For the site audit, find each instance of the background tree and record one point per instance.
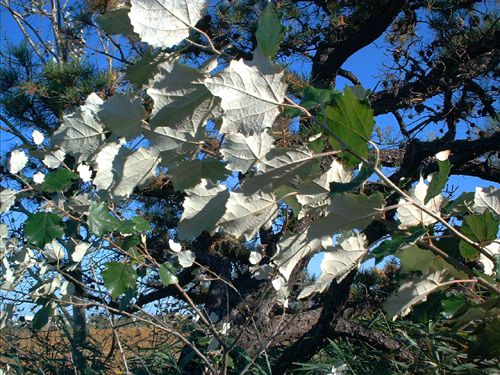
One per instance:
(120, 239)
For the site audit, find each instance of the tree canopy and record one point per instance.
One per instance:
(177, 165)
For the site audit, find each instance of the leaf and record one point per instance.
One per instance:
(292, 249)
(7, 199)
(104, 165)
(347, 211)
(189, 173)
(79, 251)
(123, 115)
(100, 220)
(42, 316)
(351, 120)
(440, 178)
(167, 139)
(245, 152)
(181, 100)
(186, 258)
(314, 97)
(270, 32)
(411, 216)
(279, 168)
(144, 69)
(116, 21)
(118, 278)
(340, 187)
(203, 206)
(17, 161)
(479, 228)
(84, 172)
(338, 262)
(59, 180)
(487, 198)
(251, 96)
(165, 23)
(414, 259)
(54, 159)
(132, 171)
(42, 228)
(53, 251)
(38, 137)
(80, 135)
(245, 215)
(315, 194)
(389, 247)
(489, 267)
(167, 274)
(412, 292)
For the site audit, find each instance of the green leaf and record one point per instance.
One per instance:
(479, 228)
(270, 31)
(451, 305)
(41, 317)
(314, 97)
(59, 180)
(439, 180)
(43, 227)
(116, 21)
(351, 120)
(118, 278)
(135, 225)
(167, 274)
(129, 242)
(100, 220)
(462, 205)
(389, 247)
(140, 224)
(339, 187)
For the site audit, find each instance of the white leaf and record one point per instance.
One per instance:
(174, 246)
(85, 172)
(123, 115)
(412, 292)
(38, 177)
(292, 249)
(37, 137)
(133, 171)
(338, 262)
(79, 252)
(104, 165)
(80, 135)
(245, 152)
(251, 96)
(17, 161)
(411, 216)
(255, 257)
(167, 139)
(54, 159)
(347, 211)
(185, 258)
(7, 199)
(279, 168)
(245, 215)
(315, 194)
(181, 101)
(494, 249)
(443, 155)
(188, 173)
(487, 198)
(165, 23)
(53, 251)
(203, 206)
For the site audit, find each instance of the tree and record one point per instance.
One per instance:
(207, 174)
